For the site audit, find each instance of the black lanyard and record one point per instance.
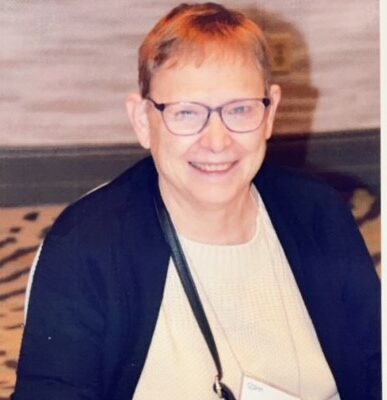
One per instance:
(190, 290)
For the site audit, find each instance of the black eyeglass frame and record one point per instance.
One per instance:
(266, 101)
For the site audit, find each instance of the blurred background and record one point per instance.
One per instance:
(66, 68)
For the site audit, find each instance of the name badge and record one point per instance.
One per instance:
(255, 390)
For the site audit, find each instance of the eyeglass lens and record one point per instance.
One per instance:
(190, 118)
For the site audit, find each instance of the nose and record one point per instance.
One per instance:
(215, 136)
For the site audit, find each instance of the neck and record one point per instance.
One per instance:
(224, 224)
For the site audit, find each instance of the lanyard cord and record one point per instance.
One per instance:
(191, 292)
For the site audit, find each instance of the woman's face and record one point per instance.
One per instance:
(216, 166)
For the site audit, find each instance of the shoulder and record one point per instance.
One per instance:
(103, 210)
(306, 204)
(296, 188)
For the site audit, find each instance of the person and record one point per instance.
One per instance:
(281, 271)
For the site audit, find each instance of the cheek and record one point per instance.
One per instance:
(253, 143)
(160, 141)
(169, 149)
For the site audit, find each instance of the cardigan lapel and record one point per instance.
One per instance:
(304, 255)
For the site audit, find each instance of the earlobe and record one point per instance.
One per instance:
(275, 96)
(136, 108)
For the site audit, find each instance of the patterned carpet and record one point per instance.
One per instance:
(21, 231)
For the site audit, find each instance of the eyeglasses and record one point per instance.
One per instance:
(190, 118)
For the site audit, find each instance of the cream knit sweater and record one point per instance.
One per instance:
(258, 318)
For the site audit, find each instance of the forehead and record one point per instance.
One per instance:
(211, 79)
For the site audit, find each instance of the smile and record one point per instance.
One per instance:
(209, 167)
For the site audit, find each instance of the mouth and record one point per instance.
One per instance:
(213, 167)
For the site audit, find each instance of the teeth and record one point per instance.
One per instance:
(212, 167)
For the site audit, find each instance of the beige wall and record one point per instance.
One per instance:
(66, 66)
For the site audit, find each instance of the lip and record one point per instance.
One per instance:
(213, 167)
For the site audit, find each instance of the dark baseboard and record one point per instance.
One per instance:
(345, 160)
(31, 176)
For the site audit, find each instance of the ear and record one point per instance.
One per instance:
(275, 97)
(137, 111)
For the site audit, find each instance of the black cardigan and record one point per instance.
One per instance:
(98, 287)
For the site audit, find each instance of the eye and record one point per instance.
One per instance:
(240, 109)
(184, 114)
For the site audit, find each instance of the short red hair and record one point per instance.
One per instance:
(201, 31)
